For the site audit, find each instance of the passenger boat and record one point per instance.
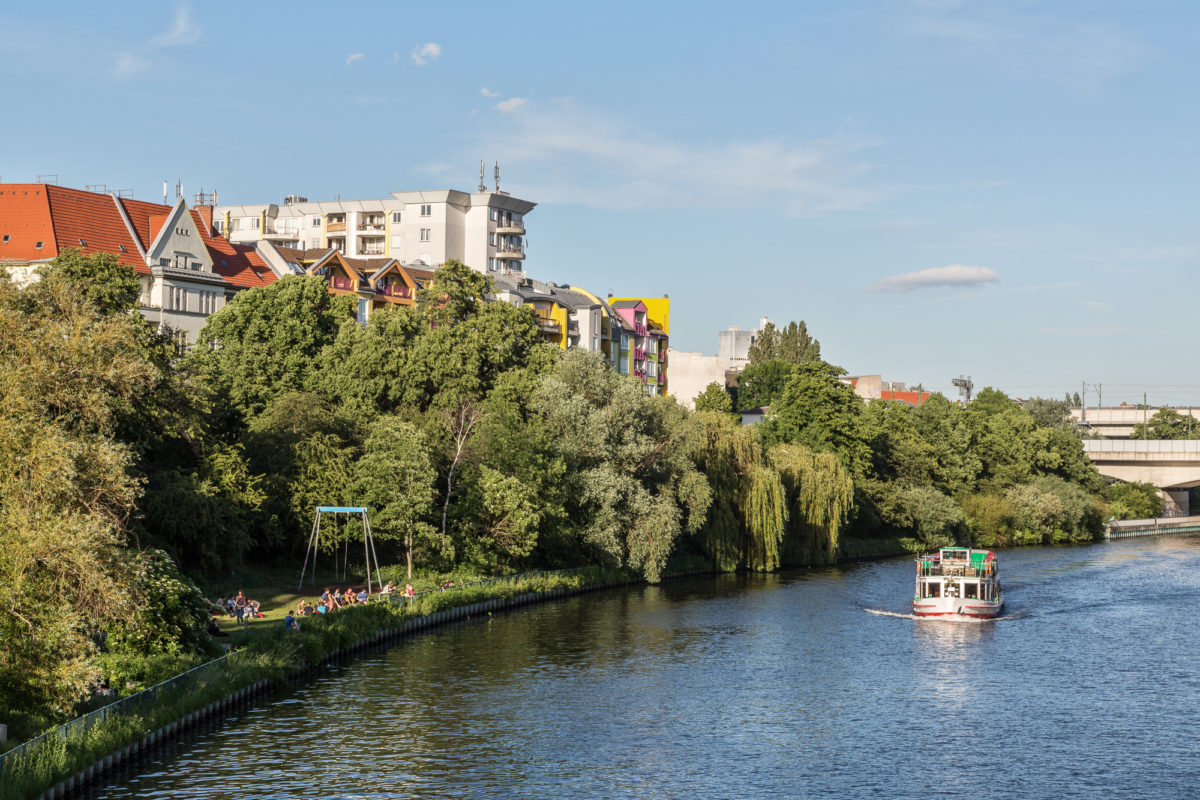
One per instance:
(958, 582)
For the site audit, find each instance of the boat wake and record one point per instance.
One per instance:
(950, 618)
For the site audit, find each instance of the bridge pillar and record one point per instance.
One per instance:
(1177, 501)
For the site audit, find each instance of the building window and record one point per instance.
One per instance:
(255, 225)
(316, 222)
(424, 234)
(493, 214)
(219, 225)
(396, 217)
(491, 263)
(38, 245)
(426, 211)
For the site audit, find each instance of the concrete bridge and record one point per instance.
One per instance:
(1117, 422)
(1173, 465)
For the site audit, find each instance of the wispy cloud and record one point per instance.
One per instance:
(511, 104)
(350, 59)
(568, 153)
(127, 66)
(486, 92)
(953, 275)
(1082, 55)
(423, 54)
(183, 30)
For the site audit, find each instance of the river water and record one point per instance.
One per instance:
(811, 683)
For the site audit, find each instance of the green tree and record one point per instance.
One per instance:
(762, 384)
(455, 294)
(821, 413)
(1049, 413)
(714, 398)
(630, 485)
(395, 479)
(1134, 500)
(791, 344)
(1167, 423)
(266, 342)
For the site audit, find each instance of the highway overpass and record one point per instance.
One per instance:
(1117, 422)
(1172, 465)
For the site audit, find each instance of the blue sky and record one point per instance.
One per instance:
(1002, 189)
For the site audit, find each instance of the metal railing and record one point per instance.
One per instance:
(193, 678)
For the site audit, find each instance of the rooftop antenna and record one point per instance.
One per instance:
(965, 386)
(164, 192)
(497, 176)
(179, 189)
(482, 185)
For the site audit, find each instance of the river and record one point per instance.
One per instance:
(809, 683)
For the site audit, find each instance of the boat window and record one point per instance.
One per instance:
(971, 590)
(933, 590)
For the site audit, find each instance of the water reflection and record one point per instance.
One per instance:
(753, 686)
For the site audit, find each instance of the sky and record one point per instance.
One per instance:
(1003, 190)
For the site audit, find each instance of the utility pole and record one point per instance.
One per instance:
(1083, 401)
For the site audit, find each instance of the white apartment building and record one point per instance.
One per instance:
(485, 230)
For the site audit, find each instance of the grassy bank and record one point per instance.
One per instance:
(268, 656)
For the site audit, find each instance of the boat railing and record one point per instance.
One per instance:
(933, 569)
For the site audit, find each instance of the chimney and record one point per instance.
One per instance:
(206, 216)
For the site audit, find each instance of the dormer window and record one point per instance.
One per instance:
(38, 246)
(6, 238)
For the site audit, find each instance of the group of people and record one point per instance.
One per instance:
(240, 607)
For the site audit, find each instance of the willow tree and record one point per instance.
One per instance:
(820, 493)
(745, 522)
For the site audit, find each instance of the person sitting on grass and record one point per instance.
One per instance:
(290, 623)
(348, 597)
(256, 610)
(386, 591)
(363, 596)
(214, 628)
(304, 609)
(325, 597)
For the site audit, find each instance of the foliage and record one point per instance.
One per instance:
(714, 398)
(1167, 423)
(167, 614)
(791, 344)
(1049, 413)
(760, 385)
(1134, 500)
(821, 413)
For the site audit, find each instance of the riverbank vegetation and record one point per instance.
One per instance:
(133, 473)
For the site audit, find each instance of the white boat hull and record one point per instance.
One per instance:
(955, 607)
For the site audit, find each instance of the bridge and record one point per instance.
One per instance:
(1125, 528)
(1116, 422)
(1173, 465)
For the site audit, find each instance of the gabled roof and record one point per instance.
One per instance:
(239, 264)
(627, 304)
(62, 218)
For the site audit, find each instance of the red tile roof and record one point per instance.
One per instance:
(239, 264)
(62, 218)
(140, 212)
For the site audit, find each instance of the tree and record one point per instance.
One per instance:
(761, 385)
(455, 294)
(266, 342)
(1134, 500)
(1167, 423)
(1049, 413)
(630, 486)
(821, 413)
(395, 479)
(792, 344)
(714, 398)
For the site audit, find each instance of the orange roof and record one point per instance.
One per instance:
(912, 398)
(140, 212)
(239, 264)
(62, 218)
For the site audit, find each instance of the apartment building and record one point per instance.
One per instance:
(567, 316)
(639, 339)
(186, 272)
(484, 230)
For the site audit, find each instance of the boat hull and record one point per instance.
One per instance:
(957, 607)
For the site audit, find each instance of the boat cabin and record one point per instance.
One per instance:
(959, 572)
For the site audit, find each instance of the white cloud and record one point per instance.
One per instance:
(422, 54)
(128, 65)
(511, 104)
(953, 275)
(396, 57)
(350, 59)
(567, 153)
(183, 30)
(486, 92)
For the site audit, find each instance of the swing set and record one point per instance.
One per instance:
(314, 543)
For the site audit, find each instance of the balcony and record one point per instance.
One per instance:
(511, 228)
(510, 251)
(371, 250)
(335, 227)
(662, 377)
(396, 291)
(639, 354)
(371, 226)
(639, 329)
(548, 324)
(345, 284)
(281, 231)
